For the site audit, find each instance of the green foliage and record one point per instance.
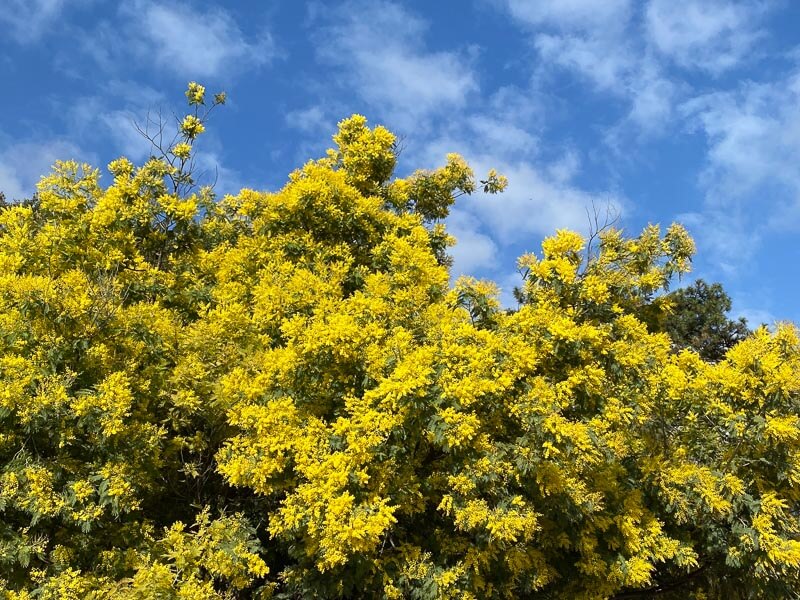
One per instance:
(280, 394)
(696, 318)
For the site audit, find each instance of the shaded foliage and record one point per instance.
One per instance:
(697, 319)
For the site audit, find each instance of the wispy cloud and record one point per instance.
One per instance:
(601, 60)
(381, 51)
(751, 179)
(542, 195)
(505, 137)
(581, 35)
(599, 41)
(312, 120)
(725, 238)
(756, 317)
(22, 164)
(27, 20)
(110, 118)
(212, 170)
(577, 15)
(474, 250)
(753, 136)
(713, 35)
(628, 51)
(540, 198)
(536, 204)
(181, 39)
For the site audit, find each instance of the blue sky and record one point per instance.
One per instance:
(662, 110)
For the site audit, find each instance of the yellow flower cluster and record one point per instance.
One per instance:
(191, 127)
(195, 93)
(182, 150)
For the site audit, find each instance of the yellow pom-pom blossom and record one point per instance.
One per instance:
(195, 93)
(182, 150)
(191, 127)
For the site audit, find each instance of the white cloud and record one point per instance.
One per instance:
(726, 238)
(565, 168)
(23, 164)
(135, 92)
(652, 98)
(534, 204)
(753, 139)
(582, 35)
(474, 250)
(541, 197)
(507, 282)
(713, 35)
(756, 317)
(603, 61)
(190, 42)
(312, 120)
(523, 107)
(625, 50)
(111, 121)
(27, 20)
(380, 47)
(115, 116)
(492, 230)
(120, 126)
(94, 118)
(504, 137)
(600, 42)
(571, 14)
(751, 179)
(210, 170)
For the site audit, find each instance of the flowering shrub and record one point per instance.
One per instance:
(280, 394)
